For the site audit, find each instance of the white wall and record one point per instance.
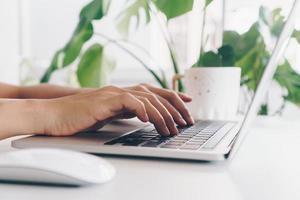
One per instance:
(9, 41)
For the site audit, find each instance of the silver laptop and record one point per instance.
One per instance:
(205, 140)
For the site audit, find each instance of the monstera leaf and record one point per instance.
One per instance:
(296, 35)
(94, 68)
(273, 19)
(88, 71)
(289, 79)
(83, 32)
(225, 56)
(136, 8)
(243, 43)
(207, 2)
(174, 8)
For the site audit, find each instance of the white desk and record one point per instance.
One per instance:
(267, 166)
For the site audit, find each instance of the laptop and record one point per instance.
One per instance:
(205, 140)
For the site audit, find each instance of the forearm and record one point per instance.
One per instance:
(9, 91)
(20, 117)
(46, 91)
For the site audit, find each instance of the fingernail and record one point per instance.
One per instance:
(192, 120)
(146, 118)
(176, 132)
(166, 132)
(182, 122)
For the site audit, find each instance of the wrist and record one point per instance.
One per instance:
(35, 110)
(21, 117)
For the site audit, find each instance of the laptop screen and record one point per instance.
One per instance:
(267, 69)
(253, 31)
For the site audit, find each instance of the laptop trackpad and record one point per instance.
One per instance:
(107, 133)
(114, 129)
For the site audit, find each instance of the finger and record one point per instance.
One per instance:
(175, 114)
(185, 97)
(175, 100)
(155, 117)
(168, 118)
(144, 87)
(123, 103)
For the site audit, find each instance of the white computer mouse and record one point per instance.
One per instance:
(54, 166)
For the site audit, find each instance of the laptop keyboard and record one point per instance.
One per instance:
(189, 138)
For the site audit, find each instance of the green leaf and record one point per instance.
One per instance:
(171, 8)
(253, 65)
(224, 57)
(227, 54)
(264, 15)
(289, 79)
(242, 43)
(296, 35)
(82, 33)
(207, 2)
(132, 11)
(210, 59)
(174, 8)
(274, 20)
(89, 68)
(93, 10)
(264, 109)
(277, 22)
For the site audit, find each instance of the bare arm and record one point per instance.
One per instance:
(19, 117)
(91, 110)
(9, 91)
(46, 91)
(42, 91)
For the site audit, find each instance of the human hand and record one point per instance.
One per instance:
(93, 109)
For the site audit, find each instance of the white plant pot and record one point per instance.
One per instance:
(215, 92)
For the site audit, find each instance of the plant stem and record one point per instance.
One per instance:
(149, 55)
(223, 19)
(169, 44)
(202, 30)
(47, 75)
(158, 79)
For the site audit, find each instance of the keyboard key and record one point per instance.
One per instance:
(218, 136)
(194, 143)
(189, 137)
(146, 137)
(201, 137)
(112, 142)
(184, 136)
(149, 144)
(152, 143)
(175, 142)
(133, 143)
(198, 140)
(190, 146)
(192, 134)
(180, 139)
(170, 146)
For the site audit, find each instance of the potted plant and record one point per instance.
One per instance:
(250, 52)
(213, 78)
(247, 50)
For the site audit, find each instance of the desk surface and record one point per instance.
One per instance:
(267, 166)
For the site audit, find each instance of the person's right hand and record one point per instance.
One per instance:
(94, 108)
